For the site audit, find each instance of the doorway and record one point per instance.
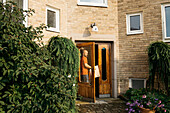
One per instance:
(99, 57)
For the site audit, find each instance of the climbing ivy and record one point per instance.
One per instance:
(159, 64)
(30, 81)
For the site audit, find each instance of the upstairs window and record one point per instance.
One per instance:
(52, 19)
(100, 3)
(166, 22)
(22, 4)
(134, 23)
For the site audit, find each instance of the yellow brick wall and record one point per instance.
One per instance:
(133, 48)
(39, 16)
(81, 17)
(130, 51)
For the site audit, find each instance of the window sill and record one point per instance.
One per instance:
(53, 30)
(166, 40)
(134, 33)
(92, 4)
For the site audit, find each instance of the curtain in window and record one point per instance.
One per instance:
(167, 16)
(93, 1)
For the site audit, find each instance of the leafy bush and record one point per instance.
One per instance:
(159, 64)
(65, 55)
(153, 100)
(28, 81)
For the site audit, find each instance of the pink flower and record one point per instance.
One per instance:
(160, 106)
(160, 102)
(144, 96)
(165, 110)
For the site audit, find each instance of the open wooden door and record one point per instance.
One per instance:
(87, 89)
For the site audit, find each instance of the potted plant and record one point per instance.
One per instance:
(145, 102)
(146, 105)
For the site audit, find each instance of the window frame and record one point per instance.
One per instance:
(130, 32)
(25, 7)
(92, 4)
(57, 11)
(130, 81)
(165, 38)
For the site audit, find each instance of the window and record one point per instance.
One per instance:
(166, 21)
(23, 4)
(100, 3)
(104, 72)
(134, 23)
(52, 19)
(137, 83)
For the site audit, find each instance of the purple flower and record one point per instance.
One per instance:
(156, 99)
(133, 110)
(162, 105)
(126, 109)
(148, 103)
(141, 106)
(131, 104)
(130, 109)
(127, 103)
(138, 104)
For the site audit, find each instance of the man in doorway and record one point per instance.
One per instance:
(84, 67)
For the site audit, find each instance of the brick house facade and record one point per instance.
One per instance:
(129, 49)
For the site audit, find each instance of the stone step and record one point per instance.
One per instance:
(102, 106)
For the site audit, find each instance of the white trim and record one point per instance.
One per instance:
(57, 11)
(165, 39)
(130, 81)
(25, 7)
(92, 4)
(129, 32)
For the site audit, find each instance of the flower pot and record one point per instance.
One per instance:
(144, 110)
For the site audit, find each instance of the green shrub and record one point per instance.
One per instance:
(28, 81)
(65, 55)
(159, 64)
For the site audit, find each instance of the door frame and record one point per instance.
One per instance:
(113, 59)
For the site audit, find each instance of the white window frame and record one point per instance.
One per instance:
(130, 32)
(57, 11)
(165, 39)
(25, 7)
(93, 4)
(130, 81)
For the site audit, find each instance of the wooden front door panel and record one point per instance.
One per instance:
(87, 90)
(104, 67)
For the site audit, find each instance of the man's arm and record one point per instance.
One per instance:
(87, 66)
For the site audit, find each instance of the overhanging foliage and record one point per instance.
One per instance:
(159, 64)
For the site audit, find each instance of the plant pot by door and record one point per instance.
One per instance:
(144, 110)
